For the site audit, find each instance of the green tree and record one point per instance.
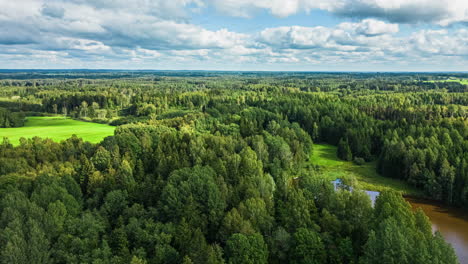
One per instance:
(193, 194)
(307, 247)
(101, 159)
(344, 151)
(246, 249)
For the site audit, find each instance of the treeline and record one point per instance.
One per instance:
(11, 119)
(426, 148)
(432, 157)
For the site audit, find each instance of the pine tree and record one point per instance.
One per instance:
(344, 151)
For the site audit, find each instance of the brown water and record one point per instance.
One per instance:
(452, 224)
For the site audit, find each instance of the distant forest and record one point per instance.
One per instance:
(214, 167)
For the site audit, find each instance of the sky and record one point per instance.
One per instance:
(258, 35)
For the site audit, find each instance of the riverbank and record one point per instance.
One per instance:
(331, 167)
(451, 222)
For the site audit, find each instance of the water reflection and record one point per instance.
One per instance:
(452, 223)
(338, 184)
(373, 196)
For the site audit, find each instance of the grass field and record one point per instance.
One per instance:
(332, 168)
(462, 81)
(57, 129)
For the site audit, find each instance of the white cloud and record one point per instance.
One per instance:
(247, 8)
(443, 12)
(372, 27)
(164, 9)
(144, 33)
(296, 37)
(345, 36)
(441, 42)
(368, 42)
(113, 23)
(82, 44)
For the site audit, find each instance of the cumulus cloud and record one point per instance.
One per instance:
(440, 42)
(107, 33)
(400, 11)
(372, 27)
(443, 12)
(369, 42)
(296, 37)
(173, 9)
(345, 36)
(115, 23)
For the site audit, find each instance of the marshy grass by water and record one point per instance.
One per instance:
(331, 167)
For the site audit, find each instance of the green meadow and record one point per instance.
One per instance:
(57, 129)
(462, 81)
(366, 175)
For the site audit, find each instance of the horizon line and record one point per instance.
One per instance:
(202, 70)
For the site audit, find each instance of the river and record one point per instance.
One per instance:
(451, 222)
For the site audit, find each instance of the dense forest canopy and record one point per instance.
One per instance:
(213, 167)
